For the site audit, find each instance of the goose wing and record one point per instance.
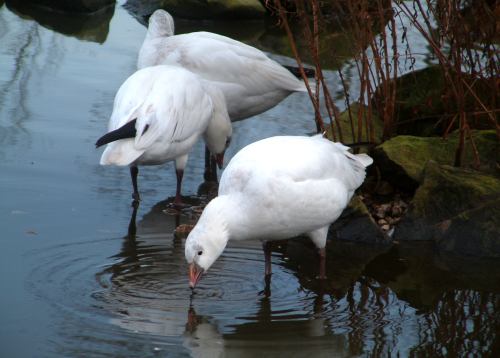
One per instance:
(169, 105)
(220, 59)
(223, 59)
(293, 184)
(297, 159)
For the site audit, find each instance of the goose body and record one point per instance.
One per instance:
(277, 188)
(158, 115)
(250, 81)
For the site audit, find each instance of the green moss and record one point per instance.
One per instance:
(447, 191)
(412, 153)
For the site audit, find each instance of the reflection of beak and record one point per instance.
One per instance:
(195, 273)
(219, 158)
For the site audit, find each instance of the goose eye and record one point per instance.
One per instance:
(200, 252)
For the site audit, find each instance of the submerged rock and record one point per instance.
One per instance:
(443, 206)
(357, 225)
(403, 158)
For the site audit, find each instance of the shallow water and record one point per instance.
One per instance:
(75, 283)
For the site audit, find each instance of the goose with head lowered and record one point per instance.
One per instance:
(250, 81)
(276, 188)
(159, 113)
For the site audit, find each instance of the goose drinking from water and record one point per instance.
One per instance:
(277, 188)
(158, 115)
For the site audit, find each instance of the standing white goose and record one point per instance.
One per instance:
(276, 188)
(158, 115)
(251, 82)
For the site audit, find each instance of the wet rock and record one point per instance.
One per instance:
(445, 202)
(200, 9)
(356, 224)
(75, 6)
(403, 158)
(473, 232)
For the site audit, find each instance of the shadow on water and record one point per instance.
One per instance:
(88, 27)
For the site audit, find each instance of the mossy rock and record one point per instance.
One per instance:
(402, 159)
(357, 225)
(446, 193)
(345, 125)
(419, 102)
(424, 103)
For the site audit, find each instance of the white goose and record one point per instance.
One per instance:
(276, 188)
(158, 115)
(251, 82)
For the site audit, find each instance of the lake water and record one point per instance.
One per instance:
(75, 283)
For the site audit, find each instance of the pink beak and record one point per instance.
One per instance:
(195, 273)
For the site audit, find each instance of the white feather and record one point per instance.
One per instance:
(250, 81)
(172, 110)
(277, 188)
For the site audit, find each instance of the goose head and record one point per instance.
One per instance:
(161, 23)
(206, 242)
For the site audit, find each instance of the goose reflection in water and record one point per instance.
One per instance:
(375, 302)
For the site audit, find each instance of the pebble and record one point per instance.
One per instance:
(386, 214)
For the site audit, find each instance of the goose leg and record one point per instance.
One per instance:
(206, 174)
(213, 168)
(133, 174)
(322, 263)
(267, 256)
(210, 167)
(180, 164)
(178, 199)
(318, 237)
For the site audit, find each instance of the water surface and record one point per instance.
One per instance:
(76, 283)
